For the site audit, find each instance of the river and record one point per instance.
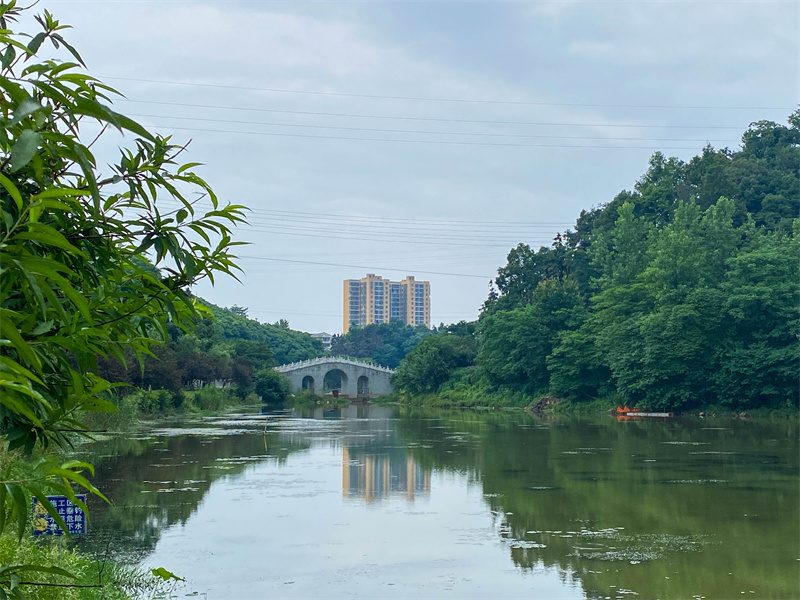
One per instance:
(379, 502)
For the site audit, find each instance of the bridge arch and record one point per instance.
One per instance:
(335, 379)
(309, 384)
(362, 386)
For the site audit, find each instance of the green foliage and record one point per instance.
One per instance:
(385, 343)
(516, 343)
(286, 345)
(210, 398)
(72, 283)
(74, 280)
(227, 350)
(155, 401)
(118, 583)
(432, 362)
(272, 387)
(682, 293)
(757, 359)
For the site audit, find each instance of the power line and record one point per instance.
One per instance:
(316, 233)
(434, 119)
(376, 269)
(476, 229)
(385, 234)
(417, 131)
(329, 223)
(439, 142)
(384, 220)
(380, 231)
(448, 100)
(360, 238)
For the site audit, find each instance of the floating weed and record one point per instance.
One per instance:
(702, 481)
(525, 544)
(686, 443)
(610, 532)
(631, 555)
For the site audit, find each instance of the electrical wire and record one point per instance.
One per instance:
(438, 142)
(381, 221)
(433, 119)
(378, 235)
(372, 268)
(447, 100)
(423, 132)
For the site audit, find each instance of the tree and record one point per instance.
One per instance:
(432, 362)
(272, 387)
(516, 343)
(238, 310)
(757, 359)
(385, 343)
(72, 242)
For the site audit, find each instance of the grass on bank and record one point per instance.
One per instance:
(98, 579)
(93, 577)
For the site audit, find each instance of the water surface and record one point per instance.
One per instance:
(368, 501)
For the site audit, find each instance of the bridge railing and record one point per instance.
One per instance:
(332, 359)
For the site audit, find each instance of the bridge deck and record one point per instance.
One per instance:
(354, 378)
(323, 360)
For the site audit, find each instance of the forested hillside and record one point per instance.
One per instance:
(680, 293)
(385, 343)
(230, 349)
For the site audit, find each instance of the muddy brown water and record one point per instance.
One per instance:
(379, 502)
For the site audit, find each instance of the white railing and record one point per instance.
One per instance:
(332, 359)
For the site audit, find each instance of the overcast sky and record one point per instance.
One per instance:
(428, 138)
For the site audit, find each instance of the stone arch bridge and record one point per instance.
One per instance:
(351, 378)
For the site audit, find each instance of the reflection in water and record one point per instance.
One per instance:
(678, 509)
(374, 476)
(375, 465)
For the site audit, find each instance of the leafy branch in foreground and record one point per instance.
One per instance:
(75, 282)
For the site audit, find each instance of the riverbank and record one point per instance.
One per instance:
(482, 399)
(96, 575)
(92, 576)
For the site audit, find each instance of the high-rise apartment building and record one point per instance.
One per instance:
(374, 299)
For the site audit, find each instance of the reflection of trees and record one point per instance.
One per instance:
(584, 498)
(580, 497)
(157, 482)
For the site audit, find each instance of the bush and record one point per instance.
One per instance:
(272, 387)
(211, 398)
(127, 405)
(155, 401)
(432, 362)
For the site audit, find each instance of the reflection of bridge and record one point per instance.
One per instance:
(349, 377)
